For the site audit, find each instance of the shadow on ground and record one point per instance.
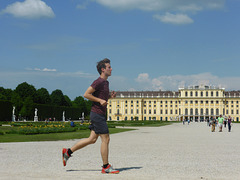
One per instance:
(120, 169)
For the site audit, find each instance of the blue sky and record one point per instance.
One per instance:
(152, 44)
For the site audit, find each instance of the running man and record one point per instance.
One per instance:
(99, 94)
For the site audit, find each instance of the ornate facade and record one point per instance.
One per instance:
(195, 103)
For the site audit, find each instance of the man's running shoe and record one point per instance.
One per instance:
(65, 156)
(109, 170)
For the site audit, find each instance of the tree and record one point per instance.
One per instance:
(43, 96)
(16, 101)
(68, 101)
(5, 94)
(27, 110)
(25, 90)
(57, 98)
(79, 102)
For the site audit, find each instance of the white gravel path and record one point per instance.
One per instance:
(171, 152)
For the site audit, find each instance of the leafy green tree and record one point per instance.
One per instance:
(43, 96)
(79, 102)
(25, 90)
(27, 110)
(5, 94)
(17, 101)
(88, 106)
(68, 101)
(57, 98)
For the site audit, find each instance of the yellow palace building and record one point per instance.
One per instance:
(196, 103)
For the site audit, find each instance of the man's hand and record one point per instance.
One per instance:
(113, 94)
(103, 102)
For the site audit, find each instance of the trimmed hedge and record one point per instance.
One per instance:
(5, 110)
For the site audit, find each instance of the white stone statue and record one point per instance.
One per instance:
(36, 111)
(13, 114)
(36, 117)
(63, 118)
(83, 116)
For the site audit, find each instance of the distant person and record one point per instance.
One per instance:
(225, 122)
(220, 123)
(72, 123)
(98, 93)
(229, 123)
(213, 123)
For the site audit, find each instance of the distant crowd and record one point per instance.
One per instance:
(214, 122)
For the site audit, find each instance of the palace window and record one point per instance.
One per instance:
(212, 93)
(186, 111)
(191, 93)
(191, 111)
(154, 111)
(186, 94)
(207, 93)
(196, 93)
(217, 111)
(207, 112)
(196, 111)
(201, 111)
(217, 93)
(212, 112)
(201, 94)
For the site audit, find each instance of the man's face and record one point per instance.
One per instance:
(107, 70)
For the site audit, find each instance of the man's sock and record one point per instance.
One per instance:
(105, 165)
(69, 152)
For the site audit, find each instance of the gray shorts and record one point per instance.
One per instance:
(98, 123)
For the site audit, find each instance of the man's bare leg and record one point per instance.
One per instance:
(84, 142)
(105, 147)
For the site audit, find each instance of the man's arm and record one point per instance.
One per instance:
(113, 94)
(89, 96)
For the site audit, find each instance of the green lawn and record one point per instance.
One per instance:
(5, 136)
(52, 136)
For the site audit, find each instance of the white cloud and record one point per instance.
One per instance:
(174, 18)
(83, 5)
(163, 5)
(43, 70)
(30, 9)
(176, 81)
(143, 78)
(180, 8)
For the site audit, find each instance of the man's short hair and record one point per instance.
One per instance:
(102, 64)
